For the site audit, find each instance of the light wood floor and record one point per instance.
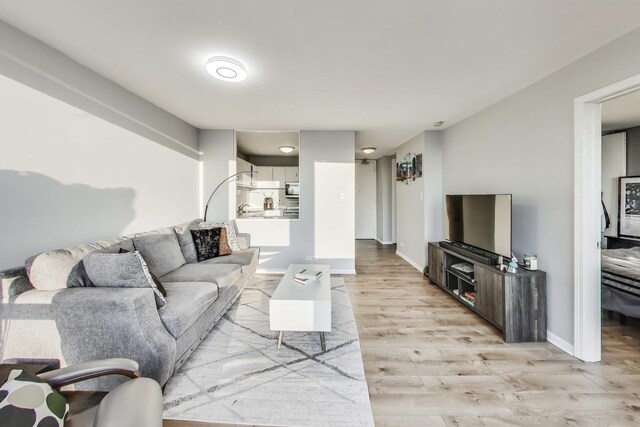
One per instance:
(431, 362)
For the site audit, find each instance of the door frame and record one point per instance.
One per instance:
(375, 198)
(586, 236)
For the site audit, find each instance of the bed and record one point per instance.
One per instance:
(621, 281)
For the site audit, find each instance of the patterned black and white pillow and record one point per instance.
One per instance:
(231, 228)
(26, 401)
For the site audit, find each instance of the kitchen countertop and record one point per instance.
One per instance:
(255, 213)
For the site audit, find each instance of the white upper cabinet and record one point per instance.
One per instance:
(241, 166)
(291, 173)
(279, 176)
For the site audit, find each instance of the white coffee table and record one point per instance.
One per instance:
(296, 307)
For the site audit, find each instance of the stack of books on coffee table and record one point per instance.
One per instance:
(306, 276)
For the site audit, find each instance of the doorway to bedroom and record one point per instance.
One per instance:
(607, 207)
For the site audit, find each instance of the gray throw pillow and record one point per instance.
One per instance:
(161, 251)
(127, 270)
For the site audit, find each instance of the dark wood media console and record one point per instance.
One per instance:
(513, 302)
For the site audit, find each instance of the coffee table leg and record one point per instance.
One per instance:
(280, 335)
(322, 343)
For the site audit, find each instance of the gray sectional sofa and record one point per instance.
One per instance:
(50, 310)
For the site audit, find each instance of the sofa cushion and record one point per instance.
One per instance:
(247, 258)
(223, 275)
(161, 252)
(186, 301)
(63, 268)
(122, 270)
(183, 231)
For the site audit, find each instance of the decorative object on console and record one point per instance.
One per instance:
(29, 401)
(121, 270)
(629, 209)
(207, 242)
(206, 208)
(530, 262)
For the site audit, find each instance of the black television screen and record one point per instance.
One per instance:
(480, 220)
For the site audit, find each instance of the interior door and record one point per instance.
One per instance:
(366, 201)
(614, 165)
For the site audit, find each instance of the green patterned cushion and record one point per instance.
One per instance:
(26, 400)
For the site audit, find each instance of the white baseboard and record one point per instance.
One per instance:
(410, 261)
(345, 272)
(383, 243)
(560, 343)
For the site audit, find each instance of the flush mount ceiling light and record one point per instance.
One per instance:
(287, 149)
(368, 150)
(226, 69)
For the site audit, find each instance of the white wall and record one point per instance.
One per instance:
(524, 145)
(384, 200)
(410, 220)
(68, 177)
(326, 228)
(37, 65)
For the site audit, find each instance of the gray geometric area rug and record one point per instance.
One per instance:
(238, 376)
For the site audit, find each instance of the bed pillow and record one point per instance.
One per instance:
(127, 270)
(26, 401)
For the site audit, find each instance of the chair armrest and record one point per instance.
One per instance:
(244, 240)
(88, 370)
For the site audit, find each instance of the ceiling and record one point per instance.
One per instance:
(621, 113)
(386, 69)
(266, 143)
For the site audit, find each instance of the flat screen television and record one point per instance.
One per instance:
(480, 220)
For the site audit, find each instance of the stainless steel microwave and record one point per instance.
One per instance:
(292, 189)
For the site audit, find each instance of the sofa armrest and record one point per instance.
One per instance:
(244, 240)
(77, 325)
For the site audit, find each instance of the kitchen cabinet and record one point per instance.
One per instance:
(269, 177)
(279, 176)
(291, 173)
(241, 166)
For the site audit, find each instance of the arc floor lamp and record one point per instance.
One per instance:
(206, 208)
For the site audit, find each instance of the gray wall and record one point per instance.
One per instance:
(410, 221)
(218, 157)
(633, 150)
(325, 230)
(274, 160)
(524, 145)
(383, 198)
(35, 64)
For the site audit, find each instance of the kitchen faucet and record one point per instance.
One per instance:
(241, 207)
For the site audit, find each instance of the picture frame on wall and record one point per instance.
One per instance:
(629, 207)
(409, 168)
